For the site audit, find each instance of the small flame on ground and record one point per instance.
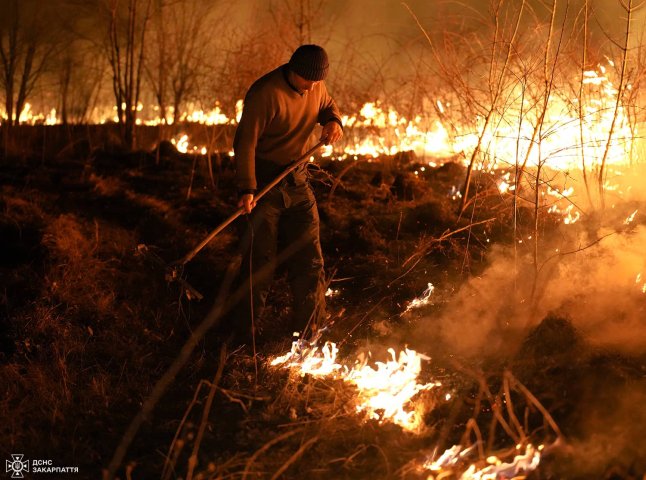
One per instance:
(497, 469)
(423, 300)
(310, 359)
(332, 292)
(384, 392)
(181, 143)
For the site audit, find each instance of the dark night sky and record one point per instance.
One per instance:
(381, 31)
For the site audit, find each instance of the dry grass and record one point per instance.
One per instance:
(97, 328)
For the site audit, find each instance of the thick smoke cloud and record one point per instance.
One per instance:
(600, 288)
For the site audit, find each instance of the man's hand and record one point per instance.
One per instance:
(332, 132)
(247, 201)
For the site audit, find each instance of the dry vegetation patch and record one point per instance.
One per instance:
(91, 326)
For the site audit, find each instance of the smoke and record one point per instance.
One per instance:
(600, 287)
(611, 431)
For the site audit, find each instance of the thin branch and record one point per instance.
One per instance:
(192, 461)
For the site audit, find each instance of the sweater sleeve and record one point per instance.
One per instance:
(255, 116)
(328, 110)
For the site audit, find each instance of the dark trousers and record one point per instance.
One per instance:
(283, 228)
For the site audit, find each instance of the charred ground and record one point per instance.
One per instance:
(88, 325)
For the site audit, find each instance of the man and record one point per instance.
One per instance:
(281, 110)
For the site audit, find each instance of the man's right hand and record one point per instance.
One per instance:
(247, 202)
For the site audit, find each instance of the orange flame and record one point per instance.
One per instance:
(522, 463)
(385, 392)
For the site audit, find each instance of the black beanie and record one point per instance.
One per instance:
(310, 62)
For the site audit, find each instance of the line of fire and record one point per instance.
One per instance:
(266, 239)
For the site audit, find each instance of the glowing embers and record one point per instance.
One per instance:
(385, 391)
(456, 459)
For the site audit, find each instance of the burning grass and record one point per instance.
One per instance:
(91, 327)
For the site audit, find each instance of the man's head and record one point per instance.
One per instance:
(310, 62)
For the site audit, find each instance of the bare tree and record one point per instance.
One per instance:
(629, 7)
(296, 21)
(246, 54)
(496, 88)
(126, 36)
(26, 45)
(80, 79)
(181, 43)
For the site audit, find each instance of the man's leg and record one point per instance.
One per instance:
(258, 246)
(305, 267)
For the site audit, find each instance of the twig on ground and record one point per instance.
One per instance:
(294, 457)
(192, 462)
(266, 447)
(190, 184)
(167, 379)
(532, 399)
(421, 251)
(337, 179)
(171, 456)
(510, 410)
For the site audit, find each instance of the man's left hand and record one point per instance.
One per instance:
(332, 132)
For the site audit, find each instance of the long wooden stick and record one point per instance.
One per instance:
(300, 161)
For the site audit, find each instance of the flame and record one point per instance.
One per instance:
(396, 134)
(505, 184)
(449, 458)
(566, 150)
(27, 116)
(332, 292)
(213, 117)
(630, 218)
(522, 463)
(423, 300)
(181, 143)
(384, 392)
(379, 130)
(575, 133)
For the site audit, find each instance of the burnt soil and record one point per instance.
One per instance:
(89, 323)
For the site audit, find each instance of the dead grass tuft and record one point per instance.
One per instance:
(72, 248)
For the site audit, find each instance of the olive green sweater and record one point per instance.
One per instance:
(275, 126)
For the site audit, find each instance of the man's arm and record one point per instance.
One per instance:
(330, 118)
(251, 126)
(328, 111)
(331, 133)
(247, 201)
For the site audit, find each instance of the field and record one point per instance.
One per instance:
(90, 324)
